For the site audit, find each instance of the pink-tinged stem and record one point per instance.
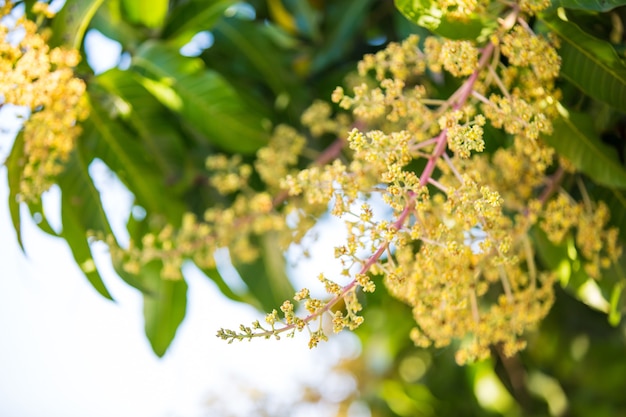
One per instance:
(461, 96)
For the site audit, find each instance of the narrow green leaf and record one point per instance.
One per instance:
(189, 18)
(39, 217)
(15, 167)
(616, 304)
(149, 13)
(574, 137)
(224, 288)
(590, 63)
(164, 307)
(82, 213)
(266, 277)
(589, 5)
(427, 14)
(70, 24)
(203, 98)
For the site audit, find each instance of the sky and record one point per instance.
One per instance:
(67, 351)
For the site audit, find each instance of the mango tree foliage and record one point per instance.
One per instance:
(492, 131)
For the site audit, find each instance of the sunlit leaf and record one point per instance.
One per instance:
(616, 304)
(202, 97)
(428, 14)
(149, 13)
(70, 24)
(110, 21)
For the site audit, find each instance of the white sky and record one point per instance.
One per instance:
(67, 352)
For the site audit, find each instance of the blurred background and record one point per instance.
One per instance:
(67, 351)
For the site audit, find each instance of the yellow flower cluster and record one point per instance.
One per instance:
(461, 9)
(41, 79)
(596, 242)
(459, 58)
(456, 245)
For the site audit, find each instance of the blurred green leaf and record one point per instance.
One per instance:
(616, 202)
(149, 13)
(344, 22)
(81, 215)
(251, 41)
(110, 141)
(164, 307)
(155, 125)
(427, 14)
(562, 259)
(575, 138)
(109, 21)
(616, 304)
(70, 24)
(266, 277)
(224, 288)
(590, 63)
(202, 97)
(189, 18)
(15, 163)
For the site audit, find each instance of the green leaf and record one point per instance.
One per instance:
(149, 13)
(224, 288)
(70, 24)
(590, 63)
(39, 217)
(589, 5)
(343, 24)
(266, 277)
(149, 118)
(427, 14)
(15, 166)
(616, 201)
(251, 41)
(616, 304)
(203, 98)
(189, 18)
(164, 307)
(109, 21)
(562, 259)
(574, 137)
(82, 213)
(110, 141)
